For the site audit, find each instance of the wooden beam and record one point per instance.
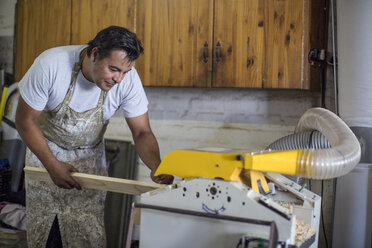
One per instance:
(112, 184)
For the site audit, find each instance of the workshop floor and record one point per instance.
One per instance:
(12, 239)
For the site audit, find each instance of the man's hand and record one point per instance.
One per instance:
(61, 176)
(162, 179)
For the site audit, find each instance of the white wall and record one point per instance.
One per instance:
(7, 20)
(7, 16)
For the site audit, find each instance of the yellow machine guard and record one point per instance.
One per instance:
(191, 163)
(227, 165)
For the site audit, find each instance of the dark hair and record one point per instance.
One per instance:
(116, 38)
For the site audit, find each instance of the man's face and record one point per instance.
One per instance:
(111, 70)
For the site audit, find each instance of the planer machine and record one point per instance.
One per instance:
(239, 198)
(219, 209)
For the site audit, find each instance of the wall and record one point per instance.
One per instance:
(7, 16)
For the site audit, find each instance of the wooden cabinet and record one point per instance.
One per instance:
(230, 43)
(189, 43)
(42, 24)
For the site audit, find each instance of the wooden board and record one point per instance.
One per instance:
(112, 184)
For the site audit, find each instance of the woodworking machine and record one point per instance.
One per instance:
(225, 212)
(237, 198)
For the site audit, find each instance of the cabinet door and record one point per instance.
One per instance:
(239, 44)
(90, 16)
(177, 38)
(259, 44)
(285, 56)
(40, 25)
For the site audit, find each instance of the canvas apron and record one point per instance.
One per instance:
(74, 138)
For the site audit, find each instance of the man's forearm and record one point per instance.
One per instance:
(148, 149)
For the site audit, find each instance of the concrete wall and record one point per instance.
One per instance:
(7, 16)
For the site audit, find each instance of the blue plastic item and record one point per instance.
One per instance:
(4, 164)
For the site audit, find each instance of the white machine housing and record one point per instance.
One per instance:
(159, 228)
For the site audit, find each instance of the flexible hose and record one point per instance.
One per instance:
(314, 162)
(303, 140)
(336, 161)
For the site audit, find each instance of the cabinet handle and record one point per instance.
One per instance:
(248, 60)
(218, 46)
(205, 57)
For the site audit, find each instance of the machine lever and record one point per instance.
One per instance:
(261, 189)
(258, 182)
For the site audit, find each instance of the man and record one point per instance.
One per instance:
(67, 97)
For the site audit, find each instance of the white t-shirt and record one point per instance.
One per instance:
(45, 85)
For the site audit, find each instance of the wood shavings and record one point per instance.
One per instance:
(286, 205)
(303, 232)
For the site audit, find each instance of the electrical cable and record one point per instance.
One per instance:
(239, 244)
(335, 82)
(322, 215)
(323, 84)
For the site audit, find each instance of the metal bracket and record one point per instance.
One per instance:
(316, 55)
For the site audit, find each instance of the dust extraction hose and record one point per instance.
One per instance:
(303, 140)
(339, 159)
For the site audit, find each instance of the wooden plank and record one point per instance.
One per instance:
(112, 184)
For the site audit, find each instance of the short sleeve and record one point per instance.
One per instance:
(135, 102)
(34, 87)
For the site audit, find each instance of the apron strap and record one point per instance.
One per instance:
(77, 67)
(75, 72)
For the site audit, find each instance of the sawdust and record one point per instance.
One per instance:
(303, 230)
